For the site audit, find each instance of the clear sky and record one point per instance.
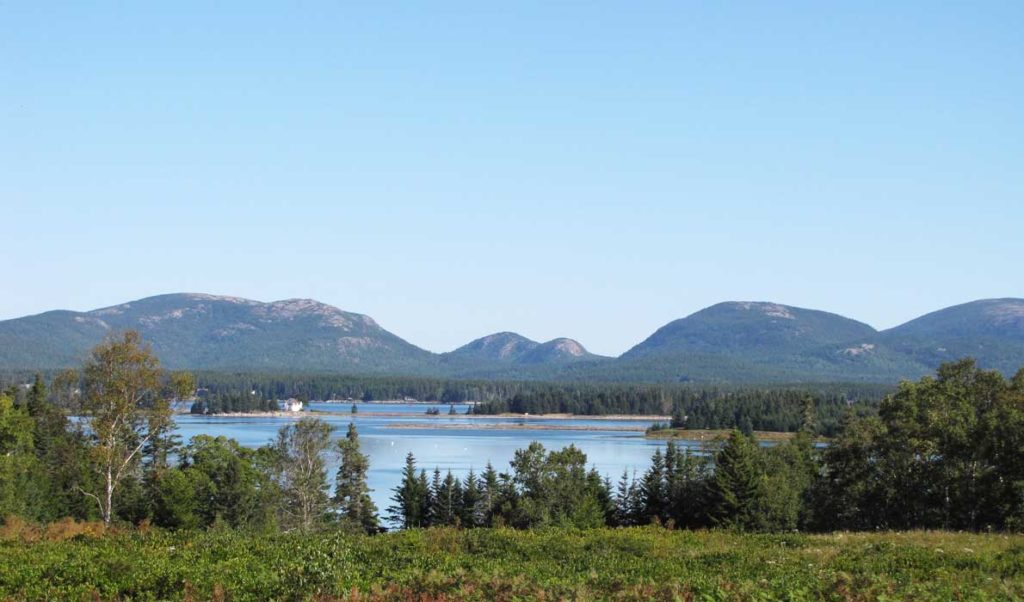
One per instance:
(582, 169)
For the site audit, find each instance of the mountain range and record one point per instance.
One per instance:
(752, 342)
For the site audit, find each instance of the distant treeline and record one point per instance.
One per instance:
(778, 408)
(223, 403)
(306, 387)
(774, 408)
(748, 409)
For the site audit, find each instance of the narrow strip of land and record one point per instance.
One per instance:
(712, 434)
(512, 426)
(443, 415)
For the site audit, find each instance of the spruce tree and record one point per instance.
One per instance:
(426, 499)
(448, 508)
(351, 494)
(628, 504)
(434, 514)
(408, 508)
(734, 488)
(652, 489)
(471, 497)
(37, 396)
(490, 495)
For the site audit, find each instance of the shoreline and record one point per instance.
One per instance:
(719, 434)
(516, 427)
(283, 414)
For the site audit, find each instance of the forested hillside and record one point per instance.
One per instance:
(735, 342)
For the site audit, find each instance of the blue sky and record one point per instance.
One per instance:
(591, 170)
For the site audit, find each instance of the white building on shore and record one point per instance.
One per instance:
(290, 405)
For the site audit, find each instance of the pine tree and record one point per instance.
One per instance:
(351, 493)
(810, 417)
(734, 488)
(471, 498)
(628, 505)
(490, 495)
(37, 396)
(408, 507)
(426, 492)
(434, 513)
(448, 506)
(652, 489)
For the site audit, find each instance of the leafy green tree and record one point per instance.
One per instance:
(351, 493)
(944, 452)
(851, 493)
(124, 408)
(229, 483)
(788, 472)
(301, 473)
(19, 471)
(175, 503)
(556, 489)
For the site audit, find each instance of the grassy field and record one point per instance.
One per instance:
(603, 564)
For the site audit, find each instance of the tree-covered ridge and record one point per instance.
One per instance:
(734, 342)
(213, 332)
(513, 348)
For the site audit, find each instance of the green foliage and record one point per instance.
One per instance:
(736, 493)
(498, 564)
(351, 494)
(125, 410)
(228, 483)
(19, 467)
(945, 452)
(300, 473)
(409, 509)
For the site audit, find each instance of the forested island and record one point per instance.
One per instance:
(775, 408)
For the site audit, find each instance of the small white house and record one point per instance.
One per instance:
(291, 405)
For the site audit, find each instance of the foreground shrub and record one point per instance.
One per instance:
(498, 564)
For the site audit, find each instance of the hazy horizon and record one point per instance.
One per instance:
(458, 170)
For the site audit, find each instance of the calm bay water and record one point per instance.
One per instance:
(470, 446)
